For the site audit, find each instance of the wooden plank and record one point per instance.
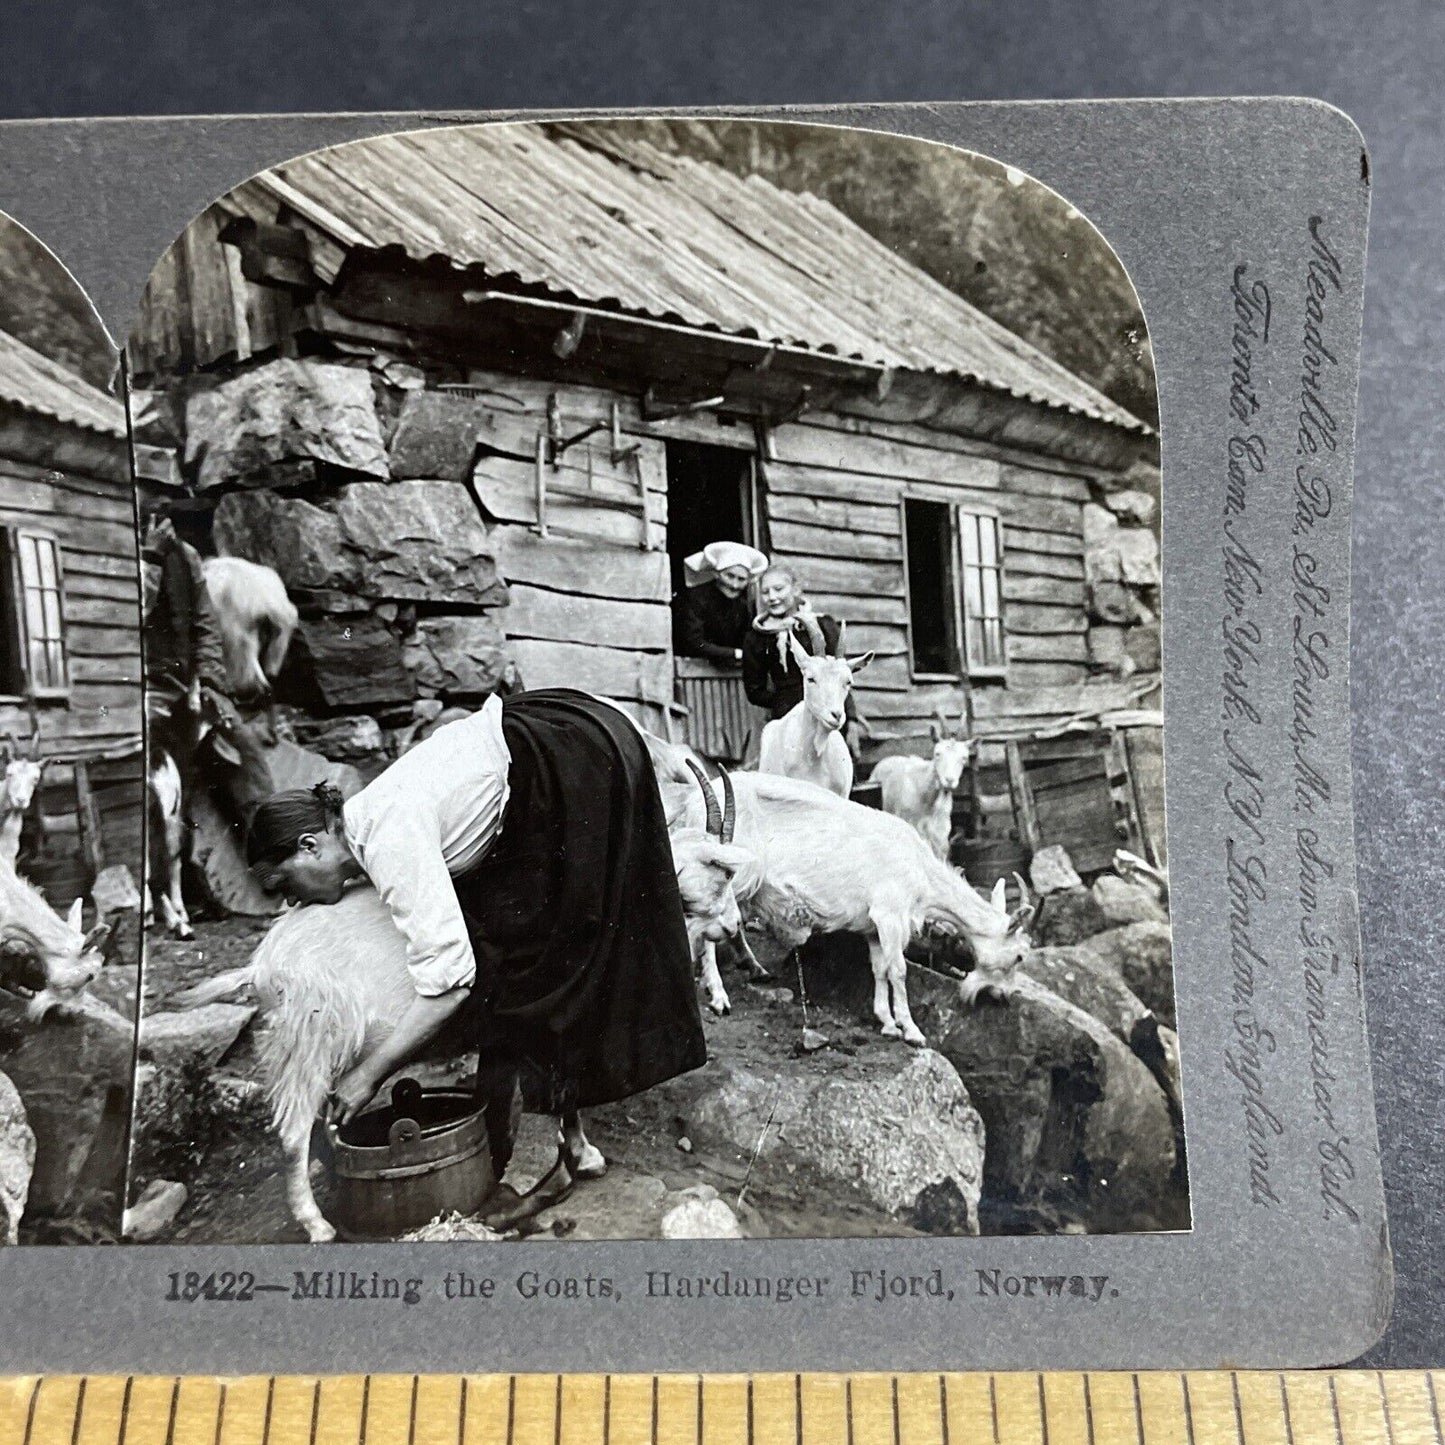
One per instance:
(96, 640)
(916, 705)
(847, 516)
(1052, 701)
(1034, 617)
(797, 539)
(883, 674)
(1028, 675)
(860, 609)
(1044, 484)
(1053, 647)
(1028, 539)
(124, 591)
(885, 639)
(115, 669)
(804, 445)
(589, 569)
(534, 612)
(508, 491)
(92, 846)
(1043, 564)
(1023, 802)
(1056, 591)
(612, 672)
(852, 579)
(834, 485)
(79, 561)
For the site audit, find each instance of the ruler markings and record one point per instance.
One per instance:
(942, 1410)
(1434, 1403)
(30, 1412)
(316, 1411)
(654, 1410)
(1139, 1410)
(80, 1413)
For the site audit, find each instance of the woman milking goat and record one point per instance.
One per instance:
(523, 854)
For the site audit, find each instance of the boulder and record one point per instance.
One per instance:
(342, 739)
(117, 987)
(1138, 552)
(1079, 1132)
(458, 656)
(421, 541)
(17, 1160)
(154, 1212)
(697, 1218)
(205, 1034)
(1052, 870)
(904, 1134)
(294, 766)
(349, 661)
(437, 433)
(1113, 602)
(1142, 956)
(1142, 644)
(73, 1072)
(1108, 649)
(284, 421)
(1123, 902)
(1079, 977)
(1068, 916)
(1115, 553)
(216, 854)
(117, 902)
(1133, 508)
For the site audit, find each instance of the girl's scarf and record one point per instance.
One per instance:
(782, 628)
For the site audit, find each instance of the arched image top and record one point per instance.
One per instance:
(829, 457)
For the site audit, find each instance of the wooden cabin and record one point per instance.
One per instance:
(616, 355)
(70, 659)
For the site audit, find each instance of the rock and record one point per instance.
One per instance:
(1068, 916)
(1123, 902)
(17, 1160)
(1114, 553)
(283, 421)
(904, 1132)
(216, 854)
(1052, 870)
(73, 1072)
(1132, 508)
(1101, 526)
(349, 661)
(1079, 977)
(114, 890)
(1142, 955)
(458, 656)
(117, 986)
(1113, 602)
(1077, 1126)
(1142, 644)
(342, 739)
(812, 1041)
(772, 994)
(1138, 552)
(206, 1033)
(685, 1144)
(436, 435)
(701, 1219)
(155, 1211)
(293, 766)
(422, 541)
(1108, 650)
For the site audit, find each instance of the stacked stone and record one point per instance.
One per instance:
(1121, 570)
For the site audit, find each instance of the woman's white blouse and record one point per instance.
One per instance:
(431, 814)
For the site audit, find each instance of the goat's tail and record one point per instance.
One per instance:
(215, 990)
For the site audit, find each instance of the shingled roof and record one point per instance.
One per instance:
(37, 384)
(619, 223)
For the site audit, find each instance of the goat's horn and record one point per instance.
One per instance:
(714, 815)
(815, 633)
(1023, 890)
(730, 807)
(842, 648)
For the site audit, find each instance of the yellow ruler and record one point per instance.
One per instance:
(1346, 1407)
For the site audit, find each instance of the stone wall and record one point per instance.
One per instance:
(1122, 572)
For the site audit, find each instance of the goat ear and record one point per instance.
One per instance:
(935, 733)
(857, 664)
(72, 918)
(999, 897)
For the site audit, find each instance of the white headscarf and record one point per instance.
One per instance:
(718, 557)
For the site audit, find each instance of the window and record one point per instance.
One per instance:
(36, 662)
(955, 589)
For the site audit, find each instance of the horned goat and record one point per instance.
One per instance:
(46, 960)
(807, 742)
(920, 790)
(818, 863)
(255, 618)
(23, 770)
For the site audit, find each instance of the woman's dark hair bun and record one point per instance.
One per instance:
(330, 798)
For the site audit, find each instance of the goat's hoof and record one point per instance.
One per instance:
(320, 1232)
(721, 1006)
(183, 931)
(590, 1164)
(915, 1037)
(891, 1031)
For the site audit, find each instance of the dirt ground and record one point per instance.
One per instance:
(237, 1192)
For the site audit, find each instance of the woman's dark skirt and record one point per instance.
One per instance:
(584, 976)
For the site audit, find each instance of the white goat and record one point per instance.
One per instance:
(17, 1160)
(255, 618)
(920, 790)
(807, 742)
(22, 776)
(166, 823)
(45, 959)
(823, 864)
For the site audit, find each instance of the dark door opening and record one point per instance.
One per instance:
(711, 497)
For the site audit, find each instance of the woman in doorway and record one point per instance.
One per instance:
(770, 675)
(715, 612)
(523, 853)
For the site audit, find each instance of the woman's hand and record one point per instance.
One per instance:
(353, 1093)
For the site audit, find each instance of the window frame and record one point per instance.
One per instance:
(22, 682)
(965, 668)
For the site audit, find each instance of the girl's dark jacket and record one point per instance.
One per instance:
(770, 676)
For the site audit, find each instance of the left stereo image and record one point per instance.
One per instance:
(72, 800)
